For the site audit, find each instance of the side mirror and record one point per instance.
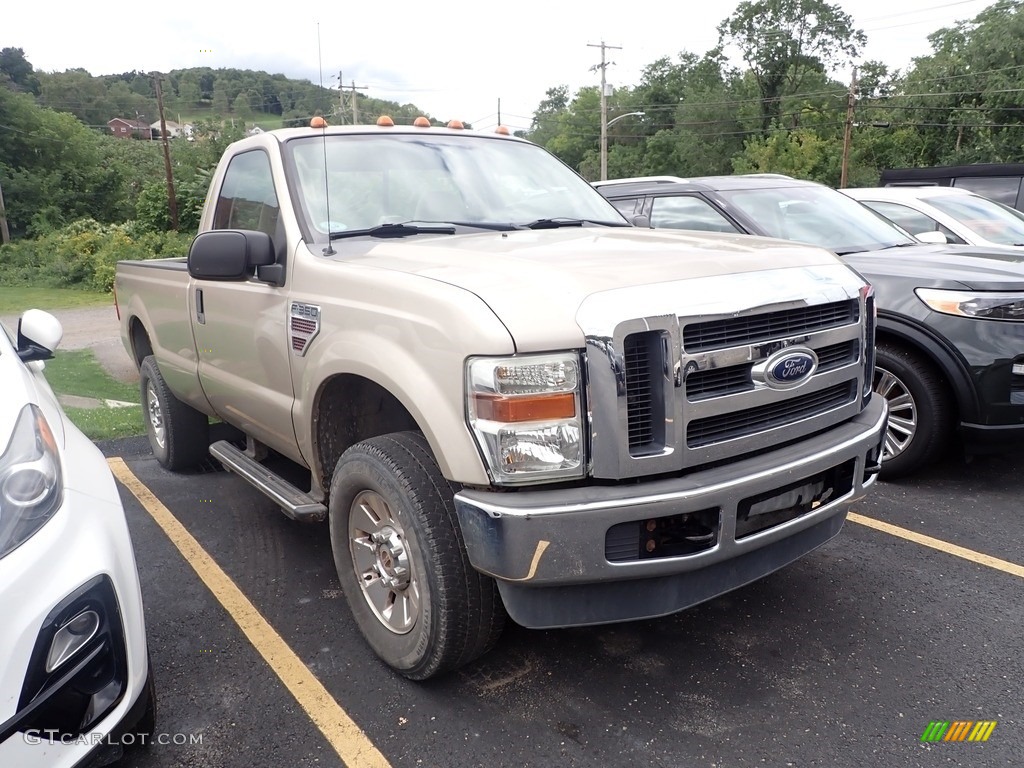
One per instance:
(934, 237)
(229, 254)
(39, 334)
(641, 221)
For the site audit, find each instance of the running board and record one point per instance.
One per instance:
(297, 504)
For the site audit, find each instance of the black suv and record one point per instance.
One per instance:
(950, 333)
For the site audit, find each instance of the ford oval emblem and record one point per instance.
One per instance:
(789, 368)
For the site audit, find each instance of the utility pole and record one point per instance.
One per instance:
(604, 104)
(341, 97)
(5, 233)
(172, 201)
(851, 98)
(354, 104)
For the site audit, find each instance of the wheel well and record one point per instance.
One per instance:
(141, 345)
(348, 410)
(952, 377)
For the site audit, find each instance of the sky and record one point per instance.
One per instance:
(457, 59)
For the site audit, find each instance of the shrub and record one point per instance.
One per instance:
(84, 254)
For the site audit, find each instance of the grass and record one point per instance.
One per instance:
(16, 299)
(107, 423)
(76, 372)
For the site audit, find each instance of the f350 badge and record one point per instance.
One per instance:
(303, 326)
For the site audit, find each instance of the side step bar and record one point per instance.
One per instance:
(297, 504)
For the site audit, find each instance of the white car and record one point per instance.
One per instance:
(75, 683)
(945, 214)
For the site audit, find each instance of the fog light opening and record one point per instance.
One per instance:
(71, 638)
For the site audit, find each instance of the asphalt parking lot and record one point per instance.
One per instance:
(842, 659)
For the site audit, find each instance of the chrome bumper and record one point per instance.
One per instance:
(556, 538)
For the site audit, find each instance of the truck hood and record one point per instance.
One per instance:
(535, 281)
(945, 266)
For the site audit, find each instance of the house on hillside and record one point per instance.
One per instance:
(174, 129)
(125, 128)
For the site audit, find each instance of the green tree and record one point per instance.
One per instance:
(781, 41)
(52, 168)
(800, 153)
(18, 71)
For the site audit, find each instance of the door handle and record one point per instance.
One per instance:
(200, 313)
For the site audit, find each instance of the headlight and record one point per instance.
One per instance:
(985, 305)
(527, 416)
(30, 479)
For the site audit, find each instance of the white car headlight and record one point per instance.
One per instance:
(526, 413)
(30, 479)
(985, 305)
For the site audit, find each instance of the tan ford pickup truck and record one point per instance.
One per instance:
(510, 401)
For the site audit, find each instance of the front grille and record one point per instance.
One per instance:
(729, 426)
(716, 382)
(756, 329)
(837, 355)
(638, 390)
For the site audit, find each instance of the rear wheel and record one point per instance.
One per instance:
(920, 410)
(402, 562)
(178, 434)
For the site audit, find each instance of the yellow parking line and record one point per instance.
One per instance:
(943, 546)
(347, 739)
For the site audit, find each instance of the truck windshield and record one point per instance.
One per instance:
(817, 215)
(358, 182)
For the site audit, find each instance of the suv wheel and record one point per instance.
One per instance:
(920, 410)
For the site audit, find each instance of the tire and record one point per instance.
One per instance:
(402, 562)
(178, 434)
(920, 411)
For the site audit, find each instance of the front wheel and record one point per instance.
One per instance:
(920, 411)
(178, 434)
(402, 562)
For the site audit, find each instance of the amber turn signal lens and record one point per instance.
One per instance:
(561, 405)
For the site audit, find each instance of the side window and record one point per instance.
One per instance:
(688, 213)
(1002, 189)
(628, 206)
(247, 198)
(911, 220)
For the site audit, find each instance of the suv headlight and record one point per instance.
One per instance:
(30, 479)
(984, 305)
(527, 416)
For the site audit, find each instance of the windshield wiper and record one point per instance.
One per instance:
(560, 221)
(395, 230)
(850, 251)
(554, 223)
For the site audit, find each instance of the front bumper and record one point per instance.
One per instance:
(81, 559)
(550, 550)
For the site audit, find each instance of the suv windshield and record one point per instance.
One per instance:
(473, 180)
(816, 215)
(992, 220)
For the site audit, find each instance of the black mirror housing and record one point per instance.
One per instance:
(229, 254)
